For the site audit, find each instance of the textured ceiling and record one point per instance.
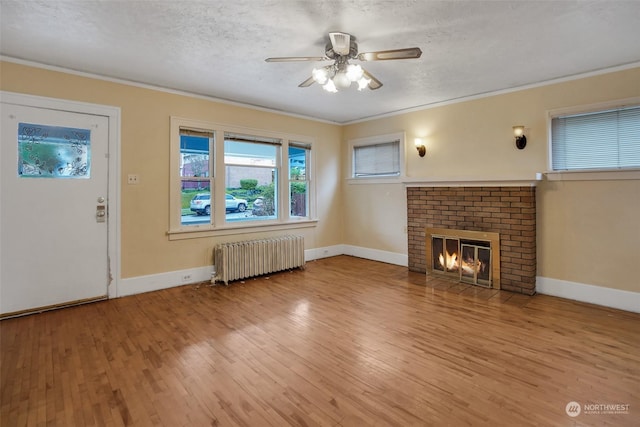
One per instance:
(217, 48)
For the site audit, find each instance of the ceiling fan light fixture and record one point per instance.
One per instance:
(354, 72)
(330, 87)
(341, 49)
(341, 80)
(363, 83)
(320, 75)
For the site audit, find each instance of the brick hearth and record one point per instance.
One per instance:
(510, 211)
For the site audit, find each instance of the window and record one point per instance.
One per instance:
(299, 179)
(251, 175)
(600, 140)
(195, 175)
(224, 178)
(377, 157)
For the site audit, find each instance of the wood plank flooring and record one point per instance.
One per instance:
(346, 342)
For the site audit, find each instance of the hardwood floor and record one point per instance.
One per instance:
(346, 342)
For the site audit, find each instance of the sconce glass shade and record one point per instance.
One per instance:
(518, 130)
(521, 139)
(422, 150)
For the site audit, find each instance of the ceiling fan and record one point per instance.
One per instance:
(342, 48)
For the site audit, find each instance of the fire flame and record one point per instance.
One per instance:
(451, 262)
(477, 266)
(471, 266)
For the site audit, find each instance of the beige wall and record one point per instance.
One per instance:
(145, 248)
(585, 228)
(590, 232)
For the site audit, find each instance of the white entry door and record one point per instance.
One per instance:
(53, 208)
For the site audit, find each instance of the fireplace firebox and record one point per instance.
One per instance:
(468, 256)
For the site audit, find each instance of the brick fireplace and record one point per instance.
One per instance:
(509, 211)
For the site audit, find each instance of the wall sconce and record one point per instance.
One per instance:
(420, 147)
(521, 139)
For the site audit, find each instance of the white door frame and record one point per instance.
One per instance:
(113, 113)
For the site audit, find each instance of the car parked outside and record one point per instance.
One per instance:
(235, 205)
(201, 204)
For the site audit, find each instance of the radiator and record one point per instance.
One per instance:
(250, 258)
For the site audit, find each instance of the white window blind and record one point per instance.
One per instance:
(382, 159)
(600, 140)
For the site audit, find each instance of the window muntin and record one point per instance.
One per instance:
(601, 140)
(195, 176)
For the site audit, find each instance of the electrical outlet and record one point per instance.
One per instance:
(186, 278)
(133, 179)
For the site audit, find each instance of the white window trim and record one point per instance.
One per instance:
(372, 140)
(588, 175)
(177, 231)
(311, 205)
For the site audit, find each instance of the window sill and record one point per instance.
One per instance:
(376, 180)
(593, 175)
(184, 234)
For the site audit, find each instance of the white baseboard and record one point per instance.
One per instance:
(608, 297)
(325, 252)
(377, 255)
(357, 251)
(155, 282)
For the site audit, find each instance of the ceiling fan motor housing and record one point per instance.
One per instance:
(332, 53)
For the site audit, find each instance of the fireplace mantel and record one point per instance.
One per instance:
(471, 182)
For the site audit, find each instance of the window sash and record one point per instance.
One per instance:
(601, 140)
(299, 183)
(306, 149)
(246, 154)
(196, 170)
(381, 159)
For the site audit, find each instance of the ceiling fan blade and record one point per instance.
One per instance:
(341, 42)
(384, 55)
(374, 83)
(297, 59)
(307, 82)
